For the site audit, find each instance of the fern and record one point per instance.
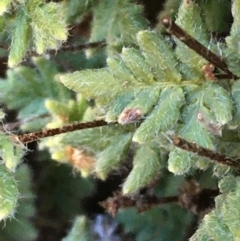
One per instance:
(31, 89)
(165, 92)
(29, 24)
(153, 90)
(21, 224)
(122, 88)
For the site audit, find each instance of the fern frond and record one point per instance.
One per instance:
(22, 224)
(20, 39)
(31, 88)
(9, 193)
(163, 117)
(118, 22)
(146, 165)
(109, 159)
(221, 223)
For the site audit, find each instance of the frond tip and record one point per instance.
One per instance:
(8, 193)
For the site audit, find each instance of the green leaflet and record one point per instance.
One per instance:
(217, 15)
(193, 130)
(231, 213)
(220, 170)
(21, 225)
(201, 163)
(219, 200)
(112, 156)
(212, 228)
(77, 9)
(163, 117)
(131, 21)
(44, 22)
(227, 184)
(189, 19)
(159, 55)
(235, 95)
(180, 161)
(48, 26)
(118, 104)
(219, 101)
(122, 73)
(80, 230)
(190, 73)
(210, 107)
(25, 83)
(146, 165)
(216, 227)
(141, 105)
(101, 14)
(67, 112)
(8, 193)
(47, 71)
(93, 84)
(20, 39)
(233, 39)
(222, 223)
(31, 87)
(11, 154)
(137, 64)
(57, 108)
(126, 20)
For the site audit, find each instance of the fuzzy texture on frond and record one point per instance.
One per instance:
(221, 223)
(163, 98)
(9, 193)
(42, 22)
(153, 88)
(31, 88)
(21, 224)
(121, 19)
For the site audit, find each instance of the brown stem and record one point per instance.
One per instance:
(191, 197)
(142, 203)
(222, 76)
(193, 44)
(66, 48)
(201, 151)
(34, 136)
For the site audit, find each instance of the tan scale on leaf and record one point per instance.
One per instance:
(80, 160)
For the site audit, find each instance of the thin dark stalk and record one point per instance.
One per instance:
(34, 136)
(71, 48)
(222, 76)
(64, 48)
(142, 203)
(193, 44)
(201, 151)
